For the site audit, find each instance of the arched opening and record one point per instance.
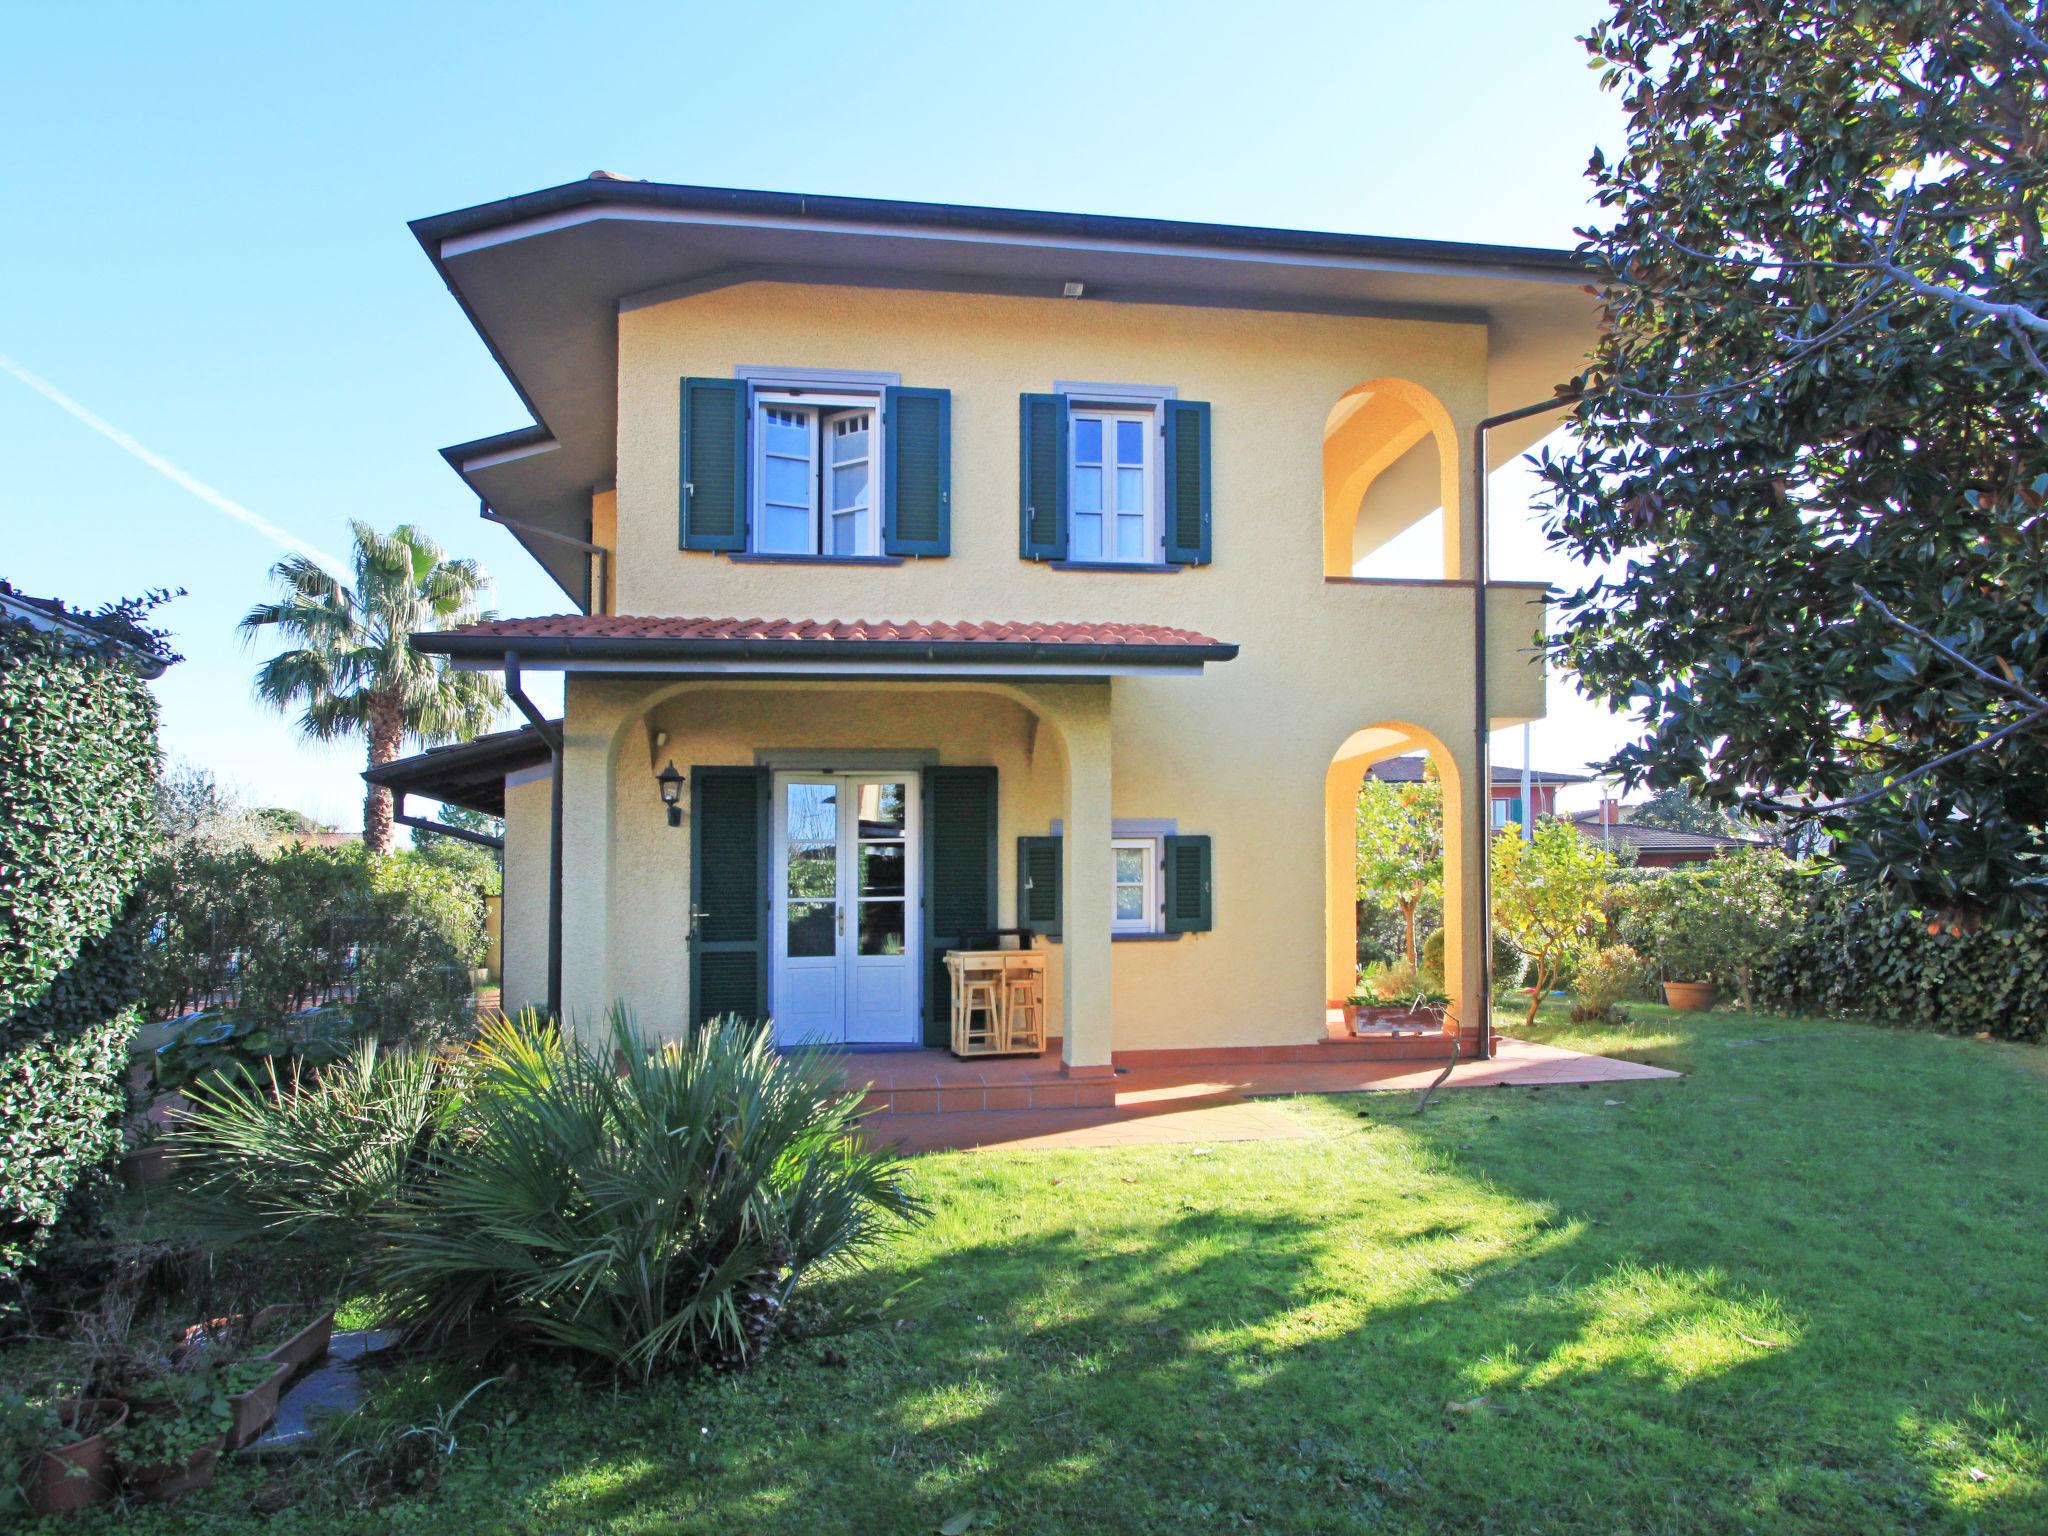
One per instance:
(1390, 484)
(1403, 835)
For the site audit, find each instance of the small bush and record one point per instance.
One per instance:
(1603, 981)
(1508, 960)
(254, 941)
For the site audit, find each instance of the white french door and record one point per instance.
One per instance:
(845, 965)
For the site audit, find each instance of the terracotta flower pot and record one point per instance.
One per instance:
(74, 1476)
(160, 1482)
(303, 1347)
(1691, 996)
(255, 1408)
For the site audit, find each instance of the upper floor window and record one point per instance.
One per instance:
(816, 485)
(1112, 503)
(1114, 477)
(781, 464)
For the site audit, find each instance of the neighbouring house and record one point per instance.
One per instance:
(1507, 803)
(1655, 847)
(937, 570)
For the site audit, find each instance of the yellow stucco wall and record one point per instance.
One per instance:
(525, 908)
(1243, 754)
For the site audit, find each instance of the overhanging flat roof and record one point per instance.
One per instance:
(468, 773)
(544, 276)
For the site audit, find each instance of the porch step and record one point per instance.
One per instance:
(973, 1099)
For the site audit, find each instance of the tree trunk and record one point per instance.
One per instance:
(1539, 991)
(1408, 932)
(387, 735)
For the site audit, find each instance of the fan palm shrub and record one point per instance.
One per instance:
(309, 1161)
(644, 1205)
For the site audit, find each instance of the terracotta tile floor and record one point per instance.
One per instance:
(1196, 1104)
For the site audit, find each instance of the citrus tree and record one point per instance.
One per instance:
(1551, 893)
(1401, 847)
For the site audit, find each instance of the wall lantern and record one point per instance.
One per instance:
(671, 784)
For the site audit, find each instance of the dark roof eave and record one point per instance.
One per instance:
(435, 229)
(585, 648)
(511, 750)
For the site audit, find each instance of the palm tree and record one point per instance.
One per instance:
(352, 666)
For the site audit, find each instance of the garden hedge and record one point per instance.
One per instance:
(1847, 954)
(78, 771)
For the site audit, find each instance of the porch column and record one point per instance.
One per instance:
(1087, 878)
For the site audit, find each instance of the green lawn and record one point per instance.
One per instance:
(1803, 1289)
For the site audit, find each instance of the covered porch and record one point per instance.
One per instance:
(794, 821)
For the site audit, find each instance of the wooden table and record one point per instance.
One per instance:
(999, 969)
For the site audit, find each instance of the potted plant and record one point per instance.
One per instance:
(58, 1453)
(1693, 936)
(178, 1426)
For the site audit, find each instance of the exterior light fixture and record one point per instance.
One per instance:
(671, 783)
(1074, 290)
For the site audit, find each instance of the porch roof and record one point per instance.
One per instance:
(470, 773)
(827, 647)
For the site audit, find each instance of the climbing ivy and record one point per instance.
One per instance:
(78, 770)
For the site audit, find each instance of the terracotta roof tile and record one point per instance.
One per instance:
(628, 627)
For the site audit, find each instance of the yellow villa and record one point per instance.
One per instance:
(937, 571)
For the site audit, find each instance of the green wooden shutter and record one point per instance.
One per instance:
(1042, 477)
(713, 461)
(729, 889)
(917, 433)
(1187, 482)
(959, 877)
(1038, 885)
(1188, 902)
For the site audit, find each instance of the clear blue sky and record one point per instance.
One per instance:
(205, 242)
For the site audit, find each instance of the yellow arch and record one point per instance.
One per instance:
(1348, 765)
(1369, 428)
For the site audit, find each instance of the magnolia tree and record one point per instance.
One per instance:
(1401, 847)
(1811, 439)
(1550, 893)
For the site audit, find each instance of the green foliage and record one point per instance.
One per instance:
(1714, 921)
(175, 1415)
(1847, 954)
(78, 765)
(1818, 397)
(313, 1165)
(254, 940)
(644, 1205)
(482, 867)
(351, 670)
(1508, 960)
(1678, 809)
(1550, 895)
(1604, 980)
(1400, 848)
(27, 1426)
(1400, 984)
(225, 1042)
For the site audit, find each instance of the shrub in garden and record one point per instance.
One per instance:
(254, 941)
(644, 1205)
(1716, 921)
(78, 764)
(1508, 960)
(1846, 953)
(1603, 981)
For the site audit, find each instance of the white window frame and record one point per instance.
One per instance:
(1152, 546)
(1502, 807)
(1153, 919)
(820, 403)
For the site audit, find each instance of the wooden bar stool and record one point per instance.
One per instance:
(1023, 1011)
(981, 1012)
